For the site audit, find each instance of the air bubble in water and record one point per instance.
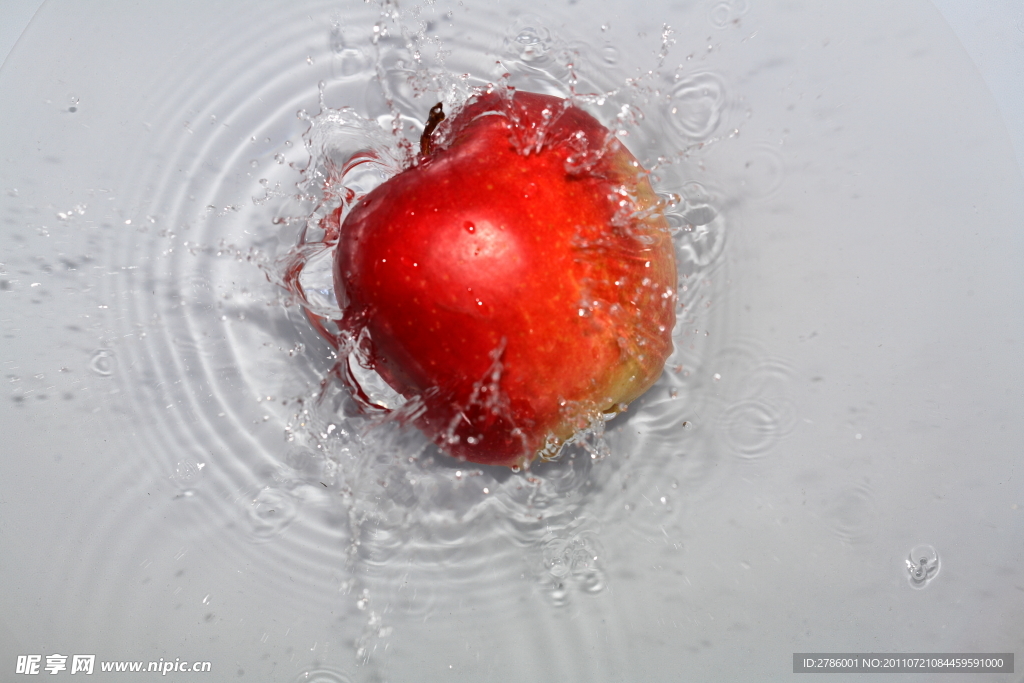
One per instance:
(722, 14)
(102, 363)
(528, 40)
(922, 565)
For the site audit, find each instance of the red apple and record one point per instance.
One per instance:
(517, 281)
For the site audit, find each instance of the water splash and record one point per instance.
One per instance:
(351, 488)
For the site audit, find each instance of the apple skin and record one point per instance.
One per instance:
(518, 289)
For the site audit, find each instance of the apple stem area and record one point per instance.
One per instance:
(435, 117)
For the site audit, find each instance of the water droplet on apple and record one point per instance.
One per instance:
(470, 228)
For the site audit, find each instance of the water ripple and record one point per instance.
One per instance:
(852, 514)
(697, 105)
(321, 675)
(753, 426)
